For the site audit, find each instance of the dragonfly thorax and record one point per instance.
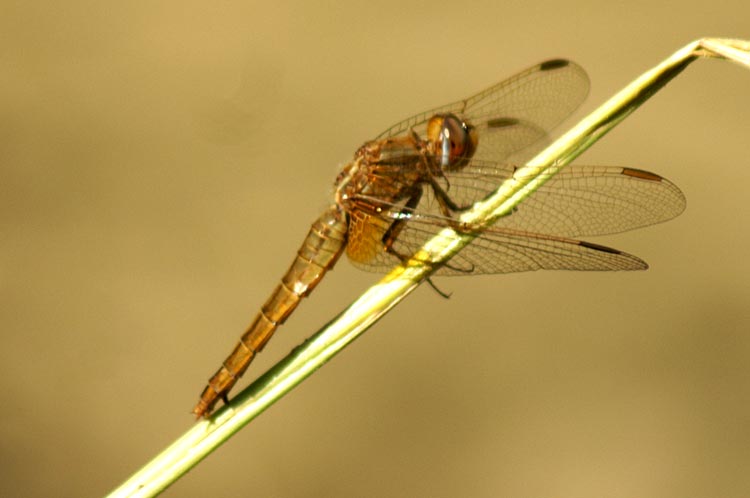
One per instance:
(383, 172)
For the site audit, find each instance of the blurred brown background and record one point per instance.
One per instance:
(161, 162)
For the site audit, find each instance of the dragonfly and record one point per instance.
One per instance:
(418, 176)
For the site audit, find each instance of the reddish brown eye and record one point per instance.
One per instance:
(455, 141)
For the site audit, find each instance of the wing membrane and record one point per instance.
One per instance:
(578, 201)
(513, 119)
(514, 114)
(500, 250)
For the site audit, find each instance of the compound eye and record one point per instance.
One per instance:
(455, 141)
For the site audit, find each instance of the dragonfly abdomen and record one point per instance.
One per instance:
(319, 252)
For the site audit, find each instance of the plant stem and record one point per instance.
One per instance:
(207, 435)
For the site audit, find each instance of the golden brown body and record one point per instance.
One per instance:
(319, 252)
(412, 181)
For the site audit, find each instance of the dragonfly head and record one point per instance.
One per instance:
(454, 140)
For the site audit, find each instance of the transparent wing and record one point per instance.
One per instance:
(579, 201)
(501, 250)
(513, 117)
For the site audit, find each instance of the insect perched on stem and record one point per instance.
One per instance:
(418, 176)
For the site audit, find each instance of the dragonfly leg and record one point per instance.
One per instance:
(447, 206)
(390, 235)
(446, 295)
(395, 229)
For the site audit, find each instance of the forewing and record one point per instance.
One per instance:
(514, 114)
(577, 201)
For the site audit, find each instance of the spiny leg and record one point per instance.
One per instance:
(390, 235)
(447, 206)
